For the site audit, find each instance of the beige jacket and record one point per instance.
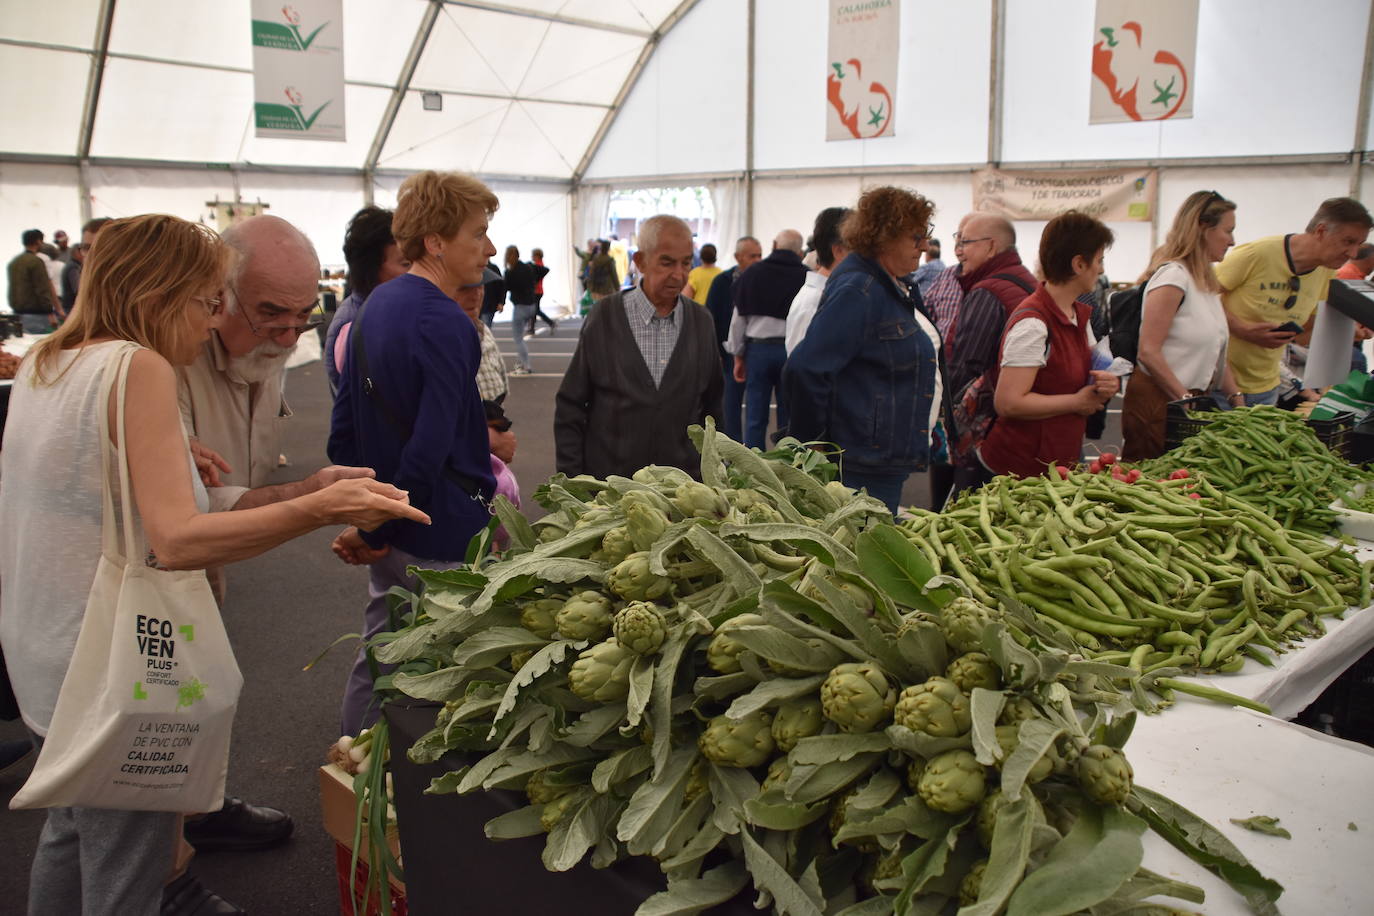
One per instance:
(238, 419)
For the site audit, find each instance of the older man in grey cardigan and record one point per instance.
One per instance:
(646, 367)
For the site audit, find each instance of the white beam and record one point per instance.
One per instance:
(398, 92)
(554, 17)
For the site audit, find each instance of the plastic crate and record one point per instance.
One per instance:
(1334, 433)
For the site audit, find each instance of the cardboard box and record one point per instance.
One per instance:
(339, 807)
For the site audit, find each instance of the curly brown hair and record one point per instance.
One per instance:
(883, 214)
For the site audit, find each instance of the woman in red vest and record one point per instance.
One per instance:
(1046, 389)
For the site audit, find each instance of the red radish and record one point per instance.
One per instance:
(1107, 458)
(1133, 476)
(1180, 474)
(1063, 472)
(1195, 496)
(1094, 467)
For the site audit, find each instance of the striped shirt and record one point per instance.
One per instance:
(942, 298)
(656, 335)
(491, 370)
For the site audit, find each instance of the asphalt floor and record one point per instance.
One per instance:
(283, 609)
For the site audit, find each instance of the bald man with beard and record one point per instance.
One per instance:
(763, 297)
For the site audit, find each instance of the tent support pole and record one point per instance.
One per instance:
(83, 187)
(1362, 114)
(749, 123)
(997, 44)
(398, 92)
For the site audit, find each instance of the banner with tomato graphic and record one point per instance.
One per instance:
(298, 70)
(1143, 60)
(861, 76)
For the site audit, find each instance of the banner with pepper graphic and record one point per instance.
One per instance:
(861, 79)
(298, 69)
(1142, 62)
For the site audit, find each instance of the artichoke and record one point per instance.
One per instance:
(553, 811)
(539, 792)
(1104, 774)
(644, 523)
(696, 782)
(761, 513)
(963, 620)
(721, 652)
(1018, 710)
(586, 615)
(639, 626)
(594, 516)
(953, 782)
(779, 771)
(632, 580)
(938, 708)
(601, 673)
(914, 771)
(972, 885)
(745, 742)
(974, 669)
(616, 545)
(796, 720)
(988, 809)
(518, 658)
(655, 474)
(857, 697)
(538, 616)
(697, 500)
(1008, 738)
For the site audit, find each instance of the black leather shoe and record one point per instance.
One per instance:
(239, 825)
(186, 896)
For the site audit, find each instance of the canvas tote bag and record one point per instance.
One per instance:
(143, 717)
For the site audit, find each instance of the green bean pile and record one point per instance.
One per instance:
(1271, 458)
(1143, 574)
(1362, 503)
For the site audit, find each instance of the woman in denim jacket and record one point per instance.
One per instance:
(867, 375)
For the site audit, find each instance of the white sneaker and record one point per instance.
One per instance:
(520, 370)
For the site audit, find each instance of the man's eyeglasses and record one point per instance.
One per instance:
(276, 330)
(1294, 284)
(964, 243)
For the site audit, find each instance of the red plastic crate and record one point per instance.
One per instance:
(351, 893)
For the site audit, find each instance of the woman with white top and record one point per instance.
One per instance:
(1183, 334)
(153, 285)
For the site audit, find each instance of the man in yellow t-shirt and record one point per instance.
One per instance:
(1272, 281)
(699, 280)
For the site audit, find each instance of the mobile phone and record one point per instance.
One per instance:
(1289, 327)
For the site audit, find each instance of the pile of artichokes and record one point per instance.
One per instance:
(751, 679)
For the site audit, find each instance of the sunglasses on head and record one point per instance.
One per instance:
(1294, 284)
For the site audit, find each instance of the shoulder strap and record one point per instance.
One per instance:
(1013, 278)
(464, 482)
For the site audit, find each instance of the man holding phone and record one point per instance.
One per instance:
(1271, 286)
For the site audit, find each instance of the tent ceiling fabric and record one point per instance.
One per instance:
(526, 85)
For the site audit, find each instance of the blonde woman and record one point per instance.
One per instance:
(156, 282)
(1183, 334)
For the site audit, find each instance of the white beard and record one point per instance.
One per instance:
(262, 364)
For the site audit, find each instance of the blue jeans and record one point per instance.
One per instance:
(521, 316)
(1251, 400)
(886, 488)
(732, 403)
(35, 324)
(763, 372)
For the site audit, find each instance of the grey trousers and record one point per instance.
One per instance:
(98, 862)
(359, 707)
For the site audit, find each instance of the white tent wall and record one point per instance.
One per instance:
(35, 196)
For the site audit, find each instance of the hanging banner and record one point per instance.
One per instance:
(298, 69)
(1143, 55)
(861, 82)
(1111, 195)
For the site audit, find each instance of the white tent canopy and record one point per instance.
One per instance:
(114, 107)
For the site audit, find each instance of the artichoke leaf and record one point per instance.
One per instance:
(856, 620)
(517, 768)
(803, 537)
(493, 645)
(1207, 846)
(1020, 666)
(542, 567)
(594, 725)
(819, 750)
(772, 692)
(925, 864)
(690, 896)
(478, 773)
(664, 791)
(724, 686)
(985, 706)
(579, 831)
(539, 664)
(668, 542)
(447, 784)
(774, 644)
(1145, 883)
(1095, 858)
(707, 441)
(513, 825)
(773, 811)
(898, 567)
(438, 581)
(876, 793)
(1034, 739)
(620, 766)
(1117, 732)
(1010, 854)
(731, 787)
(441, 686)
(740, 576)
(789, 897)
(521, 723)
(641, 684)
(919, 744)
(922, 645)
(697, 848)
(661, 695)
(576, 544)
(873, 906)
(414, 642)
(522, 536)
(813, 783)
(688, 823)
